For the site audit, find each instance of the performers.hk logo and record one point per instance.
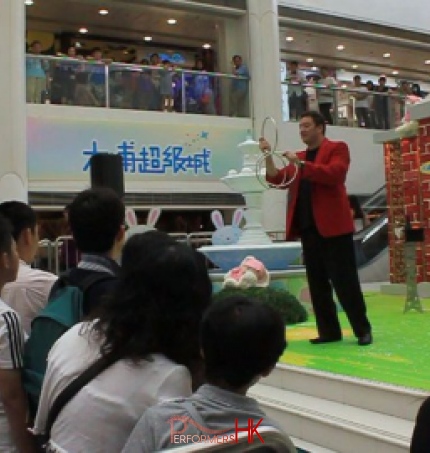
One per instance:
(212, 436)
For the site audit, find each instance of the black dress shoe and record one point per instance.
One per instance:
(365, 340)
(322, 340)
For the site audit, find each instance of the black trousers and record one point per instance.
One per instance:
(330, 264)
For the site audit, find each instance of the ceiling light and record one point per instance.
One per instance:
(309, 60)
(78, 45)
(103, 12)
(387, 55)
(28, 2)
(206, 46)
(340, 47)
(172, 21)
(427, 62)
(314, 68)
(148, 38)
(354, 66)
(289, 38)
(344, 85)
(395, 72)
(83, 30)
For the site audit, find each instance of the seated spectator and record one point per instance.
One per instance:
(421, 436)
(96, 220)
(241, 342)
(29, 293)
(13, 404)
(152, 324)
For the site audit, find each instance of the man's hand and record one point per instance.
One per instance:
(264, 145)
(292, 157)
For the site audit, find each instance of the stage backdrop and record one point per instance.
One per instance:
(59, 148)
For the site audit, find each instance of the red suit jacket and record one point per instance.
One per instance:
(330, 203)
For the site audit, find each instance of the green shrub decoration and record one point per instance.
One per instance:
(291, 310)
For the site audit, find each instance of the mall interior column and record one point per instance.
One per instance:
(13, 153)
(266, 92)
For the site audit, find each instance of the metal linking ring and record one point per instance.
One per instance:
(260, 171)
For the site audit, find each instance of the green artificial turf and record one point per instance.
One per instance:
(400, 354)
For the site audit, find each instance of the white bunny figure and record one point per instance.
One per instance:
(134, 227)
(226, 235)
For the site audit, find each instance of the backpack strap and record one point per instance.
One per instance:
(93, 279)
(100, 365)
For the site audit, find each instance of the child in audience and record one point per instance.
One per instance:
(152, 324)
(241, 342)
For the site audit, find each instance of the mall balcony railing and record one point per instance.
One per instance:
(341, 106)
(69, 81)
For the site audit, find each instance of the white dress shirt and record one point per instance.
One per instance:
(29, 293)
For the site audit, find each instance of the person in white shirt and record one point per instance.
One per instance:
(14, 436)
(29, 293)
(361, 95)
(326, 95)
(151, 322)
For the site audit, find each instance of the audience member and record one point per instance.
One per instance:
(29, 293)
(36, 74)
(296, 95)
(239, 87)
(420, 442)
(382, 104)
(361, 103)
(151, 323)
(96, 219)
(229, 328)
(326, 95)
(13, 404)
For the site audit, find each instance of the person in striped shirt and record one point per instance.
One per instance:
(14, 435)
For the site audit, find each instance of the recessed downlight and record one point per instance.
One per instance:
(427, 62)
(83, 30)
(387, 55)
(340, 47)
(172, 21)
(206, 46)
(28, 2)
(103, 12)
(309, 60)
(395, 72)
(147, 38)
(354, 66)
(289, 39)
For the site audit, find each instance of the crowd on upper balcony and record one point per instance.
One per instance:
(153, 84)
(374, 105)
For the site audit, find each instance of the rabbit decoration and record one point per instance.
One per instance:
(134, 227)
(226, 235)
(250, 273)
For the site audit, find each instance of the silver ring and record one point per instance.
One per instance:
(259, 167)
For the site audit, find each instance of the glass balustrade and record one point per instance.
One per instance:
(79, 82)
(350, 107)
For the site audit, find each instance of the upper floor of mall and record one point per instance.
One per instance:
(359, 70)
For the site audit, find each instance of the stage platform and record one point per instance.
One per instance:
(399, 355)
(344, 398)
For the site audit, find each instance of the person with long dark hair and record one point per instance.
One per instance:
(151, 326)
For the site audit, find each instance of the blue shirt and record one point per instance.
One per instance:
(241, 84)
(35, 67)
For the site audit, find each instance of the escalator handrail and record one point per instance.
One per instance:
(375, 195)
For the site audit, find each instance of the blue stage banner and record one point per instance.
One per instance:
(59, 149)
